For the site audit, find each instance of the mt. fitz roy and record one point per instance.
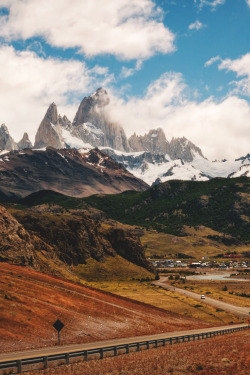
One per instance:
(150, 157)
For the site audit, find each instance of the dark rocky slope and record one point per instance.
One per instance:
(68, 171)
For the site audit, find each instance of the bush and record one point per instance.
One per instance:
(224, 289)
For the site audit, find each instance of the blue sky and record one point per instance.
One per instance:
(183, 65)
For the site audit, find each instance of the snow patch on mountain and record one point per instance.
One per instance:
(244, 170)
(73, 142)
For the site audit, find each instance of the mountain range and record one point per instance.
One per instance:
(150, 157)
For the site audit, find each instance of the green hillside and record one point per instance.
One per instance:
(220, 204)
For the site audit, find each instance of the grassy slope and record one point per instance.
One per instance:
(196, 243)
(30, 302)
(219, 204)
(168, 300)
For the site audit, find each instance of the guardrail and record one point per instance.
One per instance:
(18, 364)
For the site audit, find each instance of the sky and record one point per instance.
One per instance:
(182, 65)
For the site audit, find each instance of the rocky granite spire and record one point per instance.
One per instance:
(6, 141)
(49, 132)
(182, 148)
(93, 125)
(154, 142)
(24, 143)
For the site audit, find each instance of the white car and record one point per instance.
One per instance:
(202, 296)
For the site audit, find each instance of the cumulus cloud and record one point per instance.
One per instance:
(248, 2)
(241, 67)
(197, 25)
(29, 83)
(128, 30)
(220, 128)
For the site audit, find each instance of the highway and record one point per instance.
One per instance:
(242, 312)
(15, 356)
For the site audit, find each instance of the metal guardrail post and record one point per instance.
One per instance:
(127, 348)
(19, 367)
(156, 343)
(86, 355)
(45, 362)
(138, 347)
(67, 358)
(115, 351)
(101, 353)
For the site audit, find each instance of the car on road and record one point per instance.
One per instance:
(202, 296)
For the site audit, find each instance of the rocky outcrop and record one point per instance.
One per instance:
(24, 143)
(17, 244)
(64, 238)
(93, 125)
(73, 238)
(128, 246)
(154, 142)
(182, 148)
(6, 141)
(49, 132)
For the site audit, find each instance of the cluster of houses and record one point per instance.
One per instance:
(171, 263)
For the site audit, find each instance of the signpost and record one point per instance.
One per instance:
(58, 325)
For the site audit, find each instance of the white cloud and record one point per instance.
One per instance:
(128, 30)
(29, 83)
(212, 3)
(248, 2)
(197, 25)
(241, 67)
(219, 128)
(212, 60)
(128, 72)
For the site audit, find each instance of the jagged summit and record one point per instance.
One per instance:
(51, 113)
(87, 108)
(6, 141)
(93, 125)
(49, 132)
(154, 141)
(182, 148)
(24, 142)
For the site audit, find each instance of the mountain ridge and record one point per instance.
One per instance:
(92, 127)
(68, 171)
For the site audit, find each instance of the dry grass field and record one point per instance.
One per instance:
(30, 302)
(226, 355)
(168, 300)
(216, 290)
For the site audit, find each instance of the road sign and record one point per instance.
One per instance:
(58, 325)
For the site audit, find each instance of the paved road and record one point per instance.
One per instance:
(100, 344)
(242, 312)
